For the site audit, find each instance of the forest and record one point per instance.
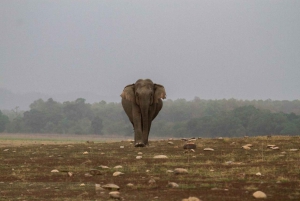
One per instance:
(178, 118)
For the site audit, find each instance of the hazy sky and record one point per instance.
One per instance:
(210, 49)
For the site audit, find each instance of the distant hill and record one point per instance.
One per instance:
(10, 100)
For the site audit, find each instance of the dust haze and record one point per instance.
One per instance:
(210, 49)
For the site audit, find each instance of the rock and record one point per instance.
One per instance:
(139, 157)
(121, 147)
(170, 143)
(293, 149)
(147, 170)
(258, 174)
(189, 145)
(169, 171)
(118, 167)
(259, 194)
(160, 156)
(115, 174)
(172, 185)
(82, 184)
(275, 148)
(98, 187)
(129, 185)
(208, 149)
(246, 147)
(95, 172)
(70, 174)
(271, 145)
(151, 181)
(88, 174)
(85, 152)
(111, 187)
(180, 171)
(6, 150)
(140, 153)
(191, 199)
(104, 167)
(114, 194)
(54, 171)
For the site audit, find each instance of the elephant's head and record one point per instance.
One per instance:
(146, 99)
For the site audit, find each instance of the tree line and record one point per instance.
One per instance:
(178, 118)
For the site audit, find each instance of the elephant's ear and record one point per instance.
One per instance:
(128, 93)
(159, 92)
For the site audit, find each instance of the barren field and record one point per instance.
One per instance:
(229, 172)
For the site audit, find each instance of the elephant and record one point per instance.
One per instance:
(142, 101)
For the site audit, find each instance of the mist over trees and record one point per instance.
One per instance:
(178, 118)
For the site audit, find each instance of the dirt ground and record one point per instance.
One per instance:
(227, 173)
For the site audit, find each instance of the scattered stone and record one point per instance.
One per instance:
(70, 174)
(88, 174)
(259, 194)
(169, 171)
(189, 145)
(170, 139)
(232, 143)
(160, 156)
(115, 174)
(121, 147)
(271, 145)
(191, 199)
(147, 171)
(258, 174)
(6, 150)
(246, 147)
(95, 172)
(82, 184)
(85, 152)
(118, 167)
(151, 181)
(104, 167)
(140, 153)
(275, 148)
(139, 157)
(180, 171)
(54, 171)
(172, 185)
(111, 187)
(98, 187)
(293, 149)
(114, 194)
(208, 149)
(183, 139)
(170, 143)
(130, 185)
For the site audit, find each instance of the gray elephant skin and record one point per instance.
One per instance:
(142, 101)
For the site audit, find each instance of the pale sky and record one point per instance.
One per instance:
(210, 49)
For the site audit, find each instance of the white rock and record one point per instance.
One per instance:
(246, 147)
(293, 149)
(160, 156)
(115, 174)
(118, 167)
(191, 199)
(258, 174)
(170, 143)
(98, 187)
(129, 184)
(6, 150)
(85, 152)
(111, 186)
(180, 171)
(54, 171)
(70, 174)
(172, 185)
(259, 194)
(122, 147)
(147, 170)
(208, 149)
(114, 194)
(139, 157)
(82, 184)
(104, 167)
(140, 153)
(169, 171)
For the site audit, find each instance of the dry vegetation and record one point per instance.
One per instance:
(227, 173)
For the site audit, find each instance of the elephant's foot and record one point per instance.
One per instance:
(139, 144)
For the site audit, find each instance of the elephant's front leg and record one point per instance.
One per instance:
(137, 124)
